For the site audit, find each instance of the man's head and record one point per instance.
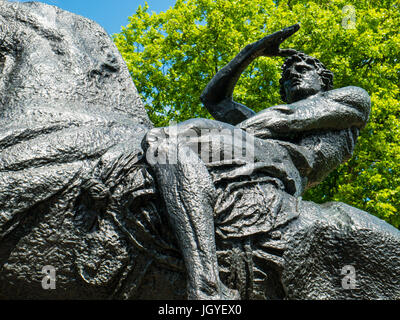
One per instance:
(303, 76)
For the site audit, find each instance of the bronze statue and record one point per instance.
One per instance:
(288, 151)
(121, 210)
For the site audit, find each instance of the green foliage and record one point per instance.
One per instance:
(173, 55)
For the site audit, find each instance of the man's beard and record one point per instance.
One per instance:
(298, 93)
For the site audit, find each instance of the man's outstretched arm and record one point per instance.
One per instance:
(217, 96)
(331, 110)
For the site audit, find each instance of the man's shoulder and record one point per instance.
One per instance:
(350, 94)
(354, 96)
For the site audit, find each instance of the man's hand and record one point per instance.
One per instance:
(272, 123)
(269, 45)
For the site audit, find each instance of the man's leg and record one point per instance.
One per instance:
(187, 189)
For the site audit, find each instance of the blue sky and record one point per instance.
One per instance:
(110, 14)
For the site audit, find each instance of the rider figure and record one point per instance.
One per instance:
(311, 135)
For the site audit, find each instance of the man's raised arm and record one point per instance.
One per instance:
(217, 96)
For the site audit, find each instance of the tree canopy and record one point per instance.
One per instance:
(174, 54)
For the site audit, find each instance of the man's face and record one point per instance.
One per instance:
(301, 81)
